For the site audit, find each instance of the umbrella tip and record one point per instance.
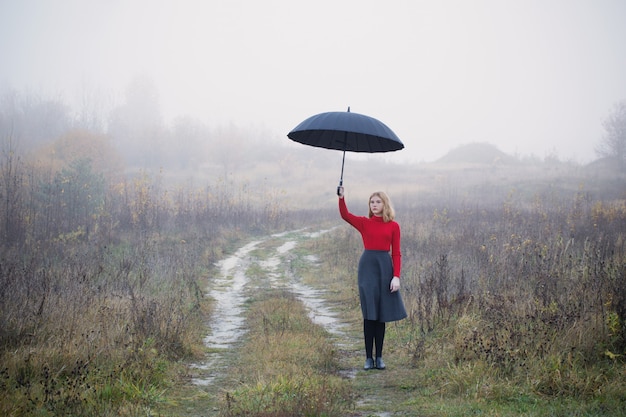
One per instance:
(348, 109)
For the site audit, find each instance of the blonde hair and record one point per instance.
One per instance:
(388, 212)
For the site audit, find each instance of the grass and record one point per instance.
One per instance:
(478, 356)
(287, 365)
(102, 341)
(516, 298)
(477, 359)
(284, 365)
(43, 386)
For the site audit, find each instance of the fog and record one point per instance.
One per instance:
(532, 77)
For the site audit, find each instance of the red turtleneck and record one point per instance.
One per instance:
(376, 233)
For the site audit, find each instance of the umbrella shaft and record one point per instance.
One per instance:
(343, 160)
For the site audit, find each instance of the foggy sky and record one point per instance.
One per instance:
(530, 76)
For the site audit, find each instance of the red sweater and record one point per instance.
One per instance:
(376, 234)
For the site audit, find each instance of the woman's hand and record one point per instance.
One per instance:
(340, 191)
(395, 284)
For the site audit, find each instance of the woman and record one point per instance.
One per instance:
(379, 273)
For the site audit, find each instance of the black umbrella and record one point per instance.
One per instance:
(346, 131)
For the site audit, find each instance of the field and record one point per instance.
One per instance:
(514, 278)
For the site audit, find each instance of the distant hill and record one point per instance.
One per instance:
(477, 153)
(605, 166)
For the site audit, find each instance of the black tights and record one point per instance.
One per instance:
(374, 331)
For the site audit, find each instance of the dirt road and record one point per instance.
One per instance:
(259, 264)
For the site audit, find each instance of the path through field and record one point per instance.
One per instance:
(231, 290)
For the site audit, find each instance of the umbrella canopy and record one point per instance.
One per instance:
(346, 131)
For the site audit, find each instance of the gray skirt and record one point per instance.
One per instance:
(377, 301)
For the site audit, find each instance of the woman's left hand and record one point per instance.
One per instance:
(395, 284)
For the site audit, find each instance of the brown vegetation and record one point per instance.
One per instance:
(513, 294)
(100, 281)
(519, 271)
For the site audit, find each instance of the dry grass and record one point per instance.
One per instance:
(513, 308)
(99, 332)
(508, 281)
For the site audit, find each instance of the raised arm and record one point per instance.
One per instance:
(354, 220)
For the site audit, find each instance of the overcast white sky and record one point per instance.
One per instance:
(530, 76)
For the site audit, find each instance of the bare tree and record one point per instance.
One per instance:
(11, 180)
(30, 119)
(613, 143)
(136, 126)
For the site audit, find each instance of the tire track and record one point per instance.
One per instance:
(228, 320)
(231, 290)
